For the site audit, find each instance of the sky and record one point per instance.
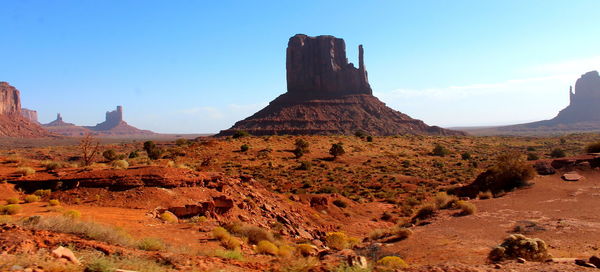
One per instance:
(200, 66)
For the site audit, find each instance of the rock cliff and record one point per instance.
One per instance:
(12, 121)
(328, 95)
(30, 115)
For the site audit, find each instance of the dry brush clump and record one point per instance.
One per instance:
(519, 246)
(391, 262)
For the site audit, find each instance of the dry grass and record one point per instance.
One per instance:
(267, 248)
(25, 171)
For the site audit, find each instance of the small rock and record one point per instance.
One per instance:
(572, 176)
(28, 270)
(584, 263)
(65, 253)
(358, 261)
(16, 267)
(497, 266)
(521, 260)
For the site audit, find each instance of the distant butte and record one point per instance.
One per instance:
(113, 125)
(581, 115)
(328, 95)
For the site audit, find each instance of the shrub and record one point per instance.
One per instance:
(302, 146)
(220, 233)
(99, 265)
(231, 243)
(425, 212)
(53, 202)
(240, 134)
(306, 250)
(52, 165)
(120, 164)
(13, 200)
(466, 208)
(337, 240)
(370, 139)
(72, 214)
(198, 219)
(267, 248)
(532, 157)
(25, 171)
(519, 246)
(151, 244)
(110, 155)
(31, 198)
(253, 233)
(153, 151)
(444, 201)
(84, 229)
(134, 154)
(42, 192)
(465, 156)
(182, 142)
(440, 151)
(392, 262)
(244, 147)
(485, 195)
(10, 209)
(340, 203)
(337, 150)
(593, 148)
(229, 254)
(169, 217)
(285, 251)
(558, 153)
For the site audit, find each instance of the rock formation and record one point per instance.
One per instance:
(30, 115)
(61, 127)
(582, 114)
(328, 95)
(12, 121)
(112, 126)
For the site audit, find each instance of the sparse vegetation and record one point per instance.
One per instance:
(89, 147)
(10, 209)
(558, 153)
(25, 171)
(519, 246)
(151, 244)
(244, 148)
(169, 217)
(392, 262)
(424, 212)
(13, 200)
(72, 214)
(120, 164)
(266, 247)
(31, 198)
(154, 152)
(110, 155)
(466, 208)
(337, 150)
(440, 150)
(53, 202)
(485, 195)
(338, 240)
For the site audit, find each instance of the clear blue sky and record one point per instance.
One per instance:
(198, 66)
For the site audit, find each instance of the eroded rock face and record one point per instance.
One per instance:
(10, 99)
(584, 101)
(12, 121)
(30, 115)
(328, 95)
(113, 119)
(318, 65)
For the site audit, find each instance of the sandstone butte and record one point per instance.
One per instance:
(14, 122)
(114, 125)
(328, 95)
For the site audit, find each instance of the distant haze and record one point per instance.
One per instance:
(199, 66)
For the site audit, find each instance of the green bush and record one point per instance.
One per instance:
(337, 150)
(465, 156)
(169, 217)
(54, 202)
(153, 151)
(244, 147)
(13, 200)
(337, 240)
(370, 139)
(440, 151)
(72, 214)
(519, 246)
(42, 192)
(10, 209)
(392, 262)
(134, 154)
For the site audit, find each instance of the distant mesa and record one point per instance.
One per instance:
(112, 126)
(328, 95)
(14, 121)
(30, 115)
(582, 114)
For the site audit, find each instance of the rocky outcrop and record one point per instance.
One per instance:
(582, 114)
(30, 115)
(12, 121)
(114, 125)
(61, 127)
(318, 65)
(328, 95)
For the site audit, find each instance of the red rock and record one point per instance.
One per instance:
(65, 253)
(327, 95)
(12, 121)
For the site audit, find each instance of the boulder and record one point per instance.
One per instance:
(65, 253)
(571, 176)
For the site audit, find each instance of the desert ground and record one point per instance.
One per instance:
(247, 203)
